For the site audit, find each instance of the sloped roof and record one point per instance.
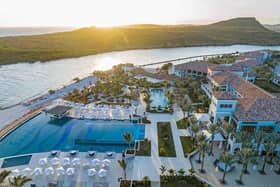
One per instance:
(199, 66)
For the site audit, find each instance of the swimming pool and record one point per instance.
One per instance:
(40, 134)
(158, 98)
(16, 161)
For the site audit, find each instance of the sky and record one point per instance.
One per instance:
(80, 13)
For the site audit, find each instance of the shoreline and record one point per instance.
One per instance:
(132, 49)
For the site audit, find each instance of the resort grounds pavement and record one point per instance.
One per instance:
(254, 179)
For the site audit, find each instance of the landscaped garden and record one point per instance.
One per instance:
(144, 148)
(166, 145)
(182, 123)
(187, 145)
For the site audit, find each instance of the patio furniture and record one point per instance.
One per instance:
(49, 171)
(102, 173)
(54, 153)
(91, 153)
(55, 161)
(70, 171)
(76, 162)
(37, 171)
(95, 162)
(43, 161)
(26, 172)
(60, 171)
(91, 172)
(106, 162)
(66, 161)
(73, 153)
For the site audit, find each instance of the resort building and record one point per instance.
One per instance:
(276, 75)
(194, 69)
(242, 104)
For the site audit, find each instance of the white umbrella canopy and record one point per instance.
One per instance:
(66, 161)
(70, 171)
(37, 171)
(95, 162)
(43, 161)
(106, 162)
(60, 171)
(102, 173)
(76, 162)
(92, 172)
(54, 161)
(49, 171)
(26, 172)
(15, 172)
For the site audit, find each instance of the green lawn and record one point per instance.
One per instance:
(187, 144)
(182, 123)
(268, 86)
(165, 140)
(145, 148)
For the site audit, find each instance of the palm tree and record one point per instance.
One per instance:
(228, 160)
(3, 175)
(244, 156)
(146, 181)
(128, 138)
(213, 129)
(123, 165)
(269, 148)
(171, 172)
(202, 149)
(195, 129)
(258, 139)
(162, 169)
(186, 106)
(181, 172)
(19, 181)
(227, 129)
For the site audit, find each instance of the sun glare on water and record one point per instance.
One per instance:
(107, 63)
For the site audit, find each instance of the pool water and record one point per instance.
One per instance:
(40, 134)
(158, 98)
(16, 161)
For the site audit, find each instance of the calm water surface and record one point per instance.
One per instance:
(19, 82)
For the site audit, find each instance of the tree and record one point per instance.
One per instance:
(171, 172)
(228, 160)
(213, 129)
(181, 172)
(186, 106)
(258, 136)
(19, 181)
(244, 156)
(195, 129)
(128, 138)
(123, 165)
(200, 138)
(146, 181)
(162, 169)
(227, 129)
(202, 148)
(3, 175)
(269, 148)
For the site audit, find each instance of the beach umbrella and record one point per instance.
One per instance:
(15, 172)
(37, 171)
(49, 171)
(70, 171)
(102, 173)
(66, 161)
(91, 172)
(43, 161)
(106, 162)
(54, 161)
(76, 162)
(26, 172)
(95, 162)
(60, 171)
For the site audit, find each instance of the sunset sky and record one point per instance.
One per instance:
(79, 13)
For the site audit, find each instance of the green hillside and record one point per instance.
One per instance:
(92, 40)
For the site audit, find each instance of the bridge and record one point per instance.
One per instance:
(185, 58)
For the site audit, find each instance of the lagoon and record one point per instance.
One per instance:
(23, 81)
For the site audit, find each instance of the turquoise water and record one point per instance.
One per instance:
(41, 135)
(16, 161)
(158, 98)
(19, 82)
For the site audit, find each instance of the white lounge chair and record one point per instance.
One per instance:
(55, 161)
(66, 161)
(76, 162)
(43, 161)
(91, 172)
(60, 171)
(49, 171)
(102, 173)
(95, 162)
(70, 171)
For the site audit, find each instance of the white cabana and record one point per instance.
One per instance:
(43, 161)
(26, 172)
(60, 171)
(76, 162)
(95, 162)
(37, 171)
(102, 173)
(91, 172)
(55, 161)
(15, 172)
(49, 171)
(66, 161)
(106, 162)
(70, 171)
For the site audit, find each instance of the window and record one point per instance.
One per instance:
(225, 105)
